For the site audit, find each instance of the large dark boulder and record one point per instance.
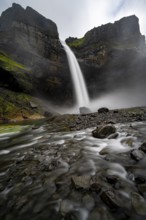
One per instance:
(103, 131)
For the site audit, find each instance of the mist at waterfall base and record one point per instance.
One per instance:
(120, 90)
(130, 94)
(125, 97)
(122, 98)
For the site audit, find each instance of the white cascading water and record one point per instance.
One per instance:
(81, 94)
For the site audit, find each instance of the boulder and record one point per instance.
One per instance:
(137, 154)
(103, 110)
(143, 147)
(103, 131)
(81, 182)
(109, 197)
(84, 110)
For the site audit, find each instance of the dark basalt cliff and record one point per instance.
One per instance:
(112, 56)
(29, 39)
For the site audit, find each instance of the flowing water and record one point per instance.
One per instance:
(46, 174)
(80, 90)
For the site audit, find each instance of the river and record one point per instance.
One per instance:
(47, 174)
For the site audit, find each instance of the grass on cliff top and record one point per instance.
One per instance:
(77, 43)
(7, 63)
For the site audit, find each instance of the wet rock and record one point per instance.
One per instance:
(113, 136)
(140, 179)
(81, 182)
(76, 195)
(1, 187)
(100, 213)
(137, 155)
(122, 158)
(88, 202)
(112, 179)
(66, 206)
(95, 187)
(138, 203)
(72, 215)
(142, 188)
(103, 131)
(103, 110)
(105, 151)
(109, 197)
(115, 111)
(143, 147)
(33, 105)
(84, 110)
(128, 141)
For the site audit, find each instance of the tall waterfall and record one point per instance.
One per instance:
(80, 90)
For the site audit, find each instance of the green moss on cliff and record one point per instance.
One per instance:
(16, 106)
(9, 64)
(77, 43)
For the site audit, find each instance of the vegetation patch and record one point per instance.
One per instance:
(77, 43)
(9, 64)
(16, 106)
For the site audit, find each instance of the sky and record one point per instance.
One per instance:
(75, 17)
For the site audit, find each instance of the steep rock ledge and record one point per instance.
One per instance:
(112, 56)
(31, 40)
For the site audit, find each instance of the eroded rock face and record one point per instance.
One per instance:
(30, 31)
(112, 56)
(30, 39)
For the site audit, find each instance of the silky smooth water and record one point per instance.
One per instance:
(38, 164)
(81, 93)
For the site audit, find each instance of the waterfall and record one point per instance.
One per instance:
(80, 89)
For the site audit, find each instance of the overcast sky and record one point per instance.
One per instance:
(75, 17)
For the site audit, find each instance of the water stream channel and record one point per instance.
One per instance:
(47, 174)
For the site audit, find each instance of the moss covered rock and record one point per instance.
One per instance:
(18, 106)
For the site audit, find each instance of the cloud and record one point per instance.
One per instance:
(75, 18)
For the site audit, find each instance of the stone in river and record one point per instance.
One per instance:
(138, 203)
(137, 155)
(103, 131)
(109, 197)
(81, 182)
(88, 202)
(143, 147)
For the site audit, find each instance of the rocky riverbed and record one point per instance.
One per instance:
(59, 170)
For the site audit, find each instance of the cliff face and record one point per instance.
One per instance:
(112, 56)
(30, 32)
(31, 40)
